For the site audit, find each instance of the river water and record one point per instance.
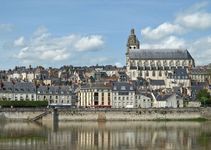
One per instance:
(105, 135)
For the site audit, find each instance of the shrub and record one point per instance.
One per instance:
(23, 103)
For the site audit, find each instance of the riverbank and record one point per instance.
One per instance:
(106, 114)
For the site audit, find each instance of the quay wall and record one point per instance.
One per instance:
(106, 114)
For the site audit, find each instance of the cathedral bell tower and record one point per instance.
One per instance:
(132, 43)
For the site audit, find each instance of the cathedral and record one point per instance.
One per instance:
(157, 64)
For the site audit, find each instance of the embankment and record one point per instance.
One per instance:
(106, 114)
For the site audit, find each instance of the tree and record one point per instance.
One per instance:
(204, 97)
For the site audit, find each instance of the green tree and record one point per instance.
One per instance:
(204, 97)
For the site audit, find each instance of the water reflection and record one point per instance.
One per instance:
(109, 135)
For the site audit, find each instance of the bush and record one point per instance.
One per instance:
(204, 97)
(4, 103)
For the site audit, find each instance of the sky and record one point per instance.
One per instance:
(52, 33)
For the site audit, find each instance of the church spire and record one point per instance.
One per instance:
(133, 42)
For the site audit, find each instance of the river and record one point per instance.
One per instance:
(147, 135)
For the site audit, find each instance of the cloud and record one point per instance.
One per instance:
(19, 42)
(6, 27)
(168, 34)
(89, 43)
(44, 47)
(167, 42)
(161, 31)
(40, 31)
(201, 50)
(118, 64)
(197, 20)
(196, 17)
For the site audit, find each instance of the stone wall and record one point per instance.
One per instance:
(117, 115)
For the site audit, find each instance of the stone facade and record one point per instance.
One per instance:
(95, 95)
(155, 64)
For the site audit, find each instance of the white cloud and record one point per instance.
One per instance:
(197, 20)
(19, 42)
(89, 43)
(118, 64)
(161, 31)
(6, 27)
(167, 42)
(43, 47)
(201, 50)
(40, 31)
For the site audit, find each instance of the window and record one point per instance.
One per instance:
(160, 73)
(147, 73)
(153, 73)
(102, 98)
(123, 88)
(109, 99)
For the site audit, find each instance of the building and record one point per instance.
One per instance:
(169, 100)
(201, 74)
(96, 95)
(18, 91)
(123, 95)
(143, 100)
(155, 64)
(56, 95)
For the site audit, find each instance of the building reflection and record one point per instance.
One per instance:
(109, 135)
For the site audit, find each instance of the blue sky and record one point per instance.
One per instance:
(64, 32)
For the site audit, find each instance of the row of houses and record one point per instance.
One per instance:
(125, 95)
(29, 92)
(96, 95)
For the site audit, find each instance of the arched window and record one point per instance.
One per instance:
(171, 63)
(153, 73)
(177, 63)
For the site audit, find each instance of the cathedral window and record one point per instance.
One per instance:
(184, 63)
(134, 74)
(160, 73)
(140, 73)
(153, 73)
(171, 63)
(140, 64)
(147, 73)
(178, 63)
(159, 64)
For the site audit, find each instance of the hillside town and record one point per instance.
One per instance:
(152, 78)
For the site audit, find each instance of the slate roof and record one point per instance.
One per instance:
(96, 85)
(55, 90)
(18, 87)
(162, 97)
(122, 86)
(179, 73)
(159, 54)
(157, 82)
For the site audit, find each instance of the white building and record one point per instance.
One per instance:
(123, 95)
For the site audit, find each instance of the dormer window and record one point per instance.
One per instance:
(123, 88)
(115, 88)
(131, 88)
